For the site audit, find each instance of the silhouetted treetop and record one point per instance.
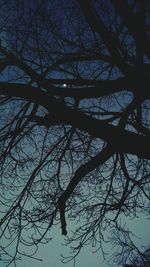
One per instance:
(74, 119)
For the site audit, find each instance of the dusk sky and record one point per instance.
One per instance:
(74, 131)
(51, 252)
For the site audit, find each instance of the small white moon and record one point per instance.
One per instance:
(64, 85)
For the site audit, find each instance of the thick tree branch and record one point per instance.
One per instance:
(99, 88)
(93, 89)
(98, 26)
(133, 23)
(84, 169)
(76, 92)
(121, 140)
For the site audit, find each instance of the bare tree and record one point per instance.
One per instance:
(74, 119)
(127, 252)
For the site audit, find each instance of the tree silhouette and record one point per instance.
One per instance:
(74, 134)
(127, 253)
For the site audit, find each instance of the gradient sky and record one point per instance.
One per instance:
(51, 252)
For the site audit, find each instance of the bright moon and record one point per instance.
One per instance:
(64, 85)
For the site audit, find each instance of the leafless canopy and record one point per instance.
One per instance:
(74, 119)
